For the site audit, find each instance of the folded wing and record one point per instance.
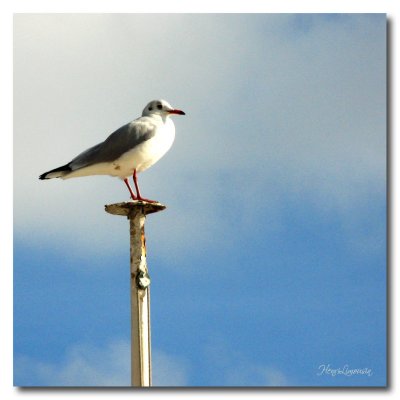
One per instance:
(119, 142)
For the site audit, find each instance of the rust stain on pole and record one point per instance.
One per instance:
(136, 212)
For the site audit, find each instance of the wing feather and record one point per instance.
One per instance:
(119, 142)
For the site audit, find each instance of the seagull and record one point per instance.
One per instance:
(129, 150)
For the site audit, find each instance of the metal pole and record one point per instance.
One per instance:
(136, 212)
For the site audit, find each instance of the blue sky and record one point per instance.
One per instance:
(270, 259)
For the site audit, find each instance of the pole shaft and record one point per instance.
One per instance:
(136, 212)
(140, 303)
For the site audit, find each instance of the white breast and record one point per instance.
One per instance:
(147, 153)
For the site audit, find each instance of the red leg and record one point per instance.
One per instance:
(139, 196)
(130, 189)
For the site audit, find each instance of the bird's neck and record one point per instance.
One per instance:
(160, 118)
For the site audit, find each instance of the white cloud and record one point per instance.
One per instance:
(84, 364)
(248, 374)
(169, 370)
(88, 365)
(274, 377)
(270, 115)
(235, 368)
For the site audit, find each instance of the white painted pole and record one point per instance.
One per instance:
(136, 212)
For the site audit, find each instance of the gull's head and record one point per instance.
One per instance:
(160, 107)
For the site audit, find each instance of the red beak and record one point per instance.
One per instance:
(179, 112)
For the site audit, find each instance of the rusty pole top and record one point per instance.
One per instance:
(128, 208)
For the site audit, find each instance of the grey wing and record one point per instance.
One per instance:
(118, 143)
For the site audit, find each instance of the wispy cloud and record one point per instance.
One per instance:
(255, 375)
(234, 368)
(169, 370)
(83, 365)
(88, 365)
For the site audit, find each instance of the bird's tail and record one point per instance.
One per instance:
(57, 172)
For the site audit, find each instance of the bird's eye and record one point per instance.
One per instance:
(159, 106)
(150, 108)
